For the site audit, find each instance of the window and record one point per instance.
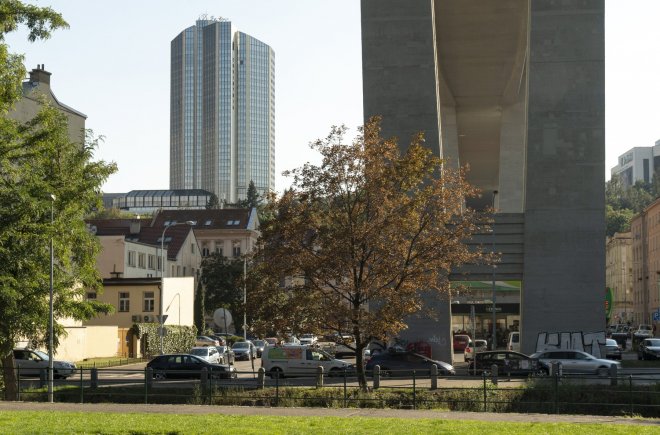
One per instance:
(91, 295)
(160, 263)
(149, 302)
(142, 260)
(205, 252)
(151, 261)
(237, 249)
(131, 258)
(184, 270)
(218, 250)
(192, 248)
(124, 302)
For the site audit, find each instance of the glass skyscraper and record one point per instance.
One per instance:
(222, 111)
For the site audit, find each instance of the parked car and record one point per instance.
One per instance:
(244, 350)
(612, 349)
(473, 348)
(649, 349)
(461, 341)
(513, 341)
(396, 363)
(31, 362)
(300, 360)
(509, 363)
(643, 331)
(308, 339)
(259, 344)
(208, 353)
(188, 366)
(576, 361)
(227, 355)
(203, 340)
(272, 341)
(621, 333)
(344, 346)
(222, 339)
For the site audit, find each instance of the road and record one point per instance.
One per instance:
(134, 375)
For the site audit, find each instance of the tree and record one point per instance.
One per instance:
(213, 203)
(199, 308)
(222, 278)
(618, 221)
(38, 160)
(253, 199)
(363, 238)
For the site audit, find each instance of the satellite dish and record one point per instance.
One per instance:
(222, 318)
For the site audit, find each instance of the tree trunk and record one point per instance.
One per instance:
(359, 365)
(9, 377)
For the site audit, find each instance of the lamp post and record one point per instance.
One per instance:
(494, 343)
(163, 275)
(50, 304)
(172, 301)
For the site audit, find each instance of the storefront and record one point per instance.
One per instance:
(472, 308)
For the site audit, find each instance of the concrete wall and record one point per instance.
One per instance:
(399, 80)
(87, 342)
(398, 68)
(564, 270)
(179, 299)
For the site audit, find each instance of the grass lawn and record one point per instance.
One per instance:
(36, 422)
(106, 362)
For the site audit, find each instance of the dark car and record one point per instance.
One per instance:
(226, 355)
(244, 350)
(259, 344)
(397, 363)
(509, 363)
(187, 366)
(649, 348)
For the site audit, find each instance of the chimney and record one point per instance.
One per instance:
(135, 226)
(40, 75)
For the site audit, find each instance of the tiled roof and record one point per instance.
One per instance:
(151, 230)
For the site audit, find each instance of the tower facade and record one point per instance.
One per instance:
(222, 111)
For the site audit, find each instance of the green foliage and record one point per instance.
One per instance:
(114, 213)
(222, 278)
(177, 339)
(199, 307)
(622, 203)
(40, 21)
(618, 221)
(213, 203)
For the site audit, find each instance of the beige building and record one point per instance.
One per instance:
(645, 229)
(618, 278)
(35, 90)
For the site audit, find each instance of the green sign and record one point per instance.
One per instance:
(608, 302)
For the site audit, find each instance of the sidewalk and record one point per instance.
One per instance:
(321, 412)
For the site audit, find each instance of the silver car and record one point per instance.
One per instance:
(575, 361)
(207, 353)
(32, 362)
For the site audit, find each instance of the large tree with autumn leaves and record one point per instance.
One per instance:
(359, 238)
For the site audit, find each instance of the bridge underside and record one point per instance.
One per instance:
(515, 90)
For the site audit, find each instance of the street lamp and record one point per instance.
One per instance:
(172, 301)
(50, 304)
(163, 275)
(494, 343)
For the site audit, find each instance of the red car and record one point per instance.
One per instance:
(461, 342)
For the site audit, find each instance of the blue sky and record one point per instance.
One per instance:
(113, 65)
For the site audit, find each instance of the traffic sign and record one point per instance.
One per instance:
(656, 316)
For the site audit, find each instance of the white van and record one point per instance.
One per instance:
(296, 360)
(514, 341)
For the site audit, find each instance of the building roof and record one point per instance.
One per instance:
(150, 231)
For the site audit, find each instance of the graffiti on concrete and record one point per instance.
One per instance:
(590, 342)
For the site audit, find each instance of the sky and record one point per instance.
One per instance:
(113, 64)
